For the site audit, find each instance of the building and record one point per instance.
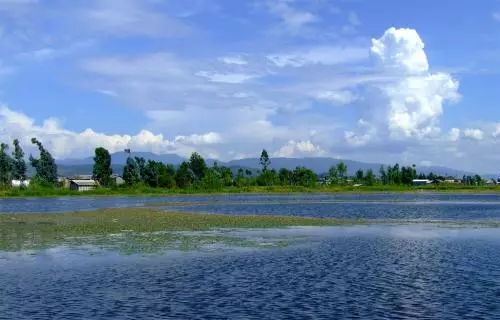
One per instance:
(82, 185)
(421, 182)
(19, 183)
(118, 180)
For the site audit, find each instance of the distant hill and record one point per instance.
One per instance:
(319, 165)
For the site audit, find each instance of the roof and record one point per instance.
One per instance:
(421, 180)
(84, 182)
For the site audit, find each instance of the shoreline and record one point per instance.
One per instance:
(277, 190)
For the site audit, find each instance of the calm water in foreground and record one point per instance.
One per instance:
(359, 272)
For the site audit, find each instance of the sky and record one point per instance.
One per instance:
(414, 82)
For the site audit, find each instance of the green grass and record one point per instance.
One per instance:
(27, 231)
(144, 191)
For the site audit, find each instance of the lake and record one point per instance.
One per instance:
(417, 271)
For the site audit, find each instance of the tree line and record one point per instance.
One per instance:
(195, 173)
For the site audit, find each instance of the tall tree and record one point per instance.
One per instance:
(131, 174)
(369, 178)
(102, 166)
(19, 167)
(383, 175)
(197, 165)
(184, 177)
(264, 160)
(333, 175)
(5, 166)
(342, 171)
(360, 175)
(45, 166)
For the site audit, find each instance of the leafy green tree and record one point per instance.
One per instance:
(370, 179)
(19, 167)
(333, 175)
(341, 171)
(166, 176)
(197, 165)
(383, 175)
(285, 177)
(360, 175)
(212, 180)
(5, 166)
(304, 177)
(151, 173)
(45, 166)
(268, 178)
(184, 177)
(141, 166)
(264, 160)
(102, 166)
(131, 172)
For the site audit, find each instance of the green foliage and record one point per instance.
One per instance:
(131, 172)
(341, 172)
(370, 179)
(264, 160)
(45, 166)
(285, 177)
(304, 177)
(198, 166)
(19, 167)
(5, 166)
(360, 175)
(333, 175)
(185, 176)
(268, 178)
(102, 167)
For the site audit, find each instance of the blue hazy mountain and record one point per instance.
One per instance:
(319, 164)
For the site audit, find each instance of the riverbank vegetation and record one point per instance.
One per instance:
(194, 176)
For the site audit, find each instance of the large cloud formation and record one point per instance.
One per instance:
(415, 101)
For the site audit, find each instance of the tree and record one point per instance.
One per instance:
(304, 177)
(264, 160)
(333, 175)
(268, 178)
(102, 166)
(383, 175)
(166, 176)
(184, 177)
(197, 165)
(5, 166)
(131, 174)
(360, 175)
(45, 166)
(285, 176)
(341, 171)
(370, 178)
(141, 167)
(19, 167)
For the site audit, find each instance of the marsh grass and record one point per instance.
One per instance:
(30, 231)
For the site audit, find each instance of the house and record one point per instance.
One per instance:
(421, 182)
(492, 182)
(117, 179)
(19, 183)
(82, 185)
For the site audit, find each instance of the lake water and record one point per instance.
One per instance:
(391, 271)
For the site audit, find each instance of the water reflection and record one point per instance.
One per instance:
(370, 272)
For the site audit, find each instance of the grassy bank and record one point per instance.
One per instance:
(152, 227)
(145, 191)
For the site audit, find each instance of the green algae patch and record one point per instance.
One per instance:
(135, 227)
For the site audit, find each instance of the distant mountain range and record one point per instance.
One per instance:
(319, 165)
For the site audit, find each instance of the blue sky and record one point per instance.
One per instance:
(378, 81)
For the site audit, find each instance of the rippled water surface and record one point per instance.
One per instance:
(378, 272)
(390, 271)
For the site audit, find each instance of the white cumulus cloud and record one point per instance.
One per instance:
(299, 149)
(474, 134)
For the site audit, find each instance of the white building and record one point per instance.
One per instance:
(19, 183)
(82, 185)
